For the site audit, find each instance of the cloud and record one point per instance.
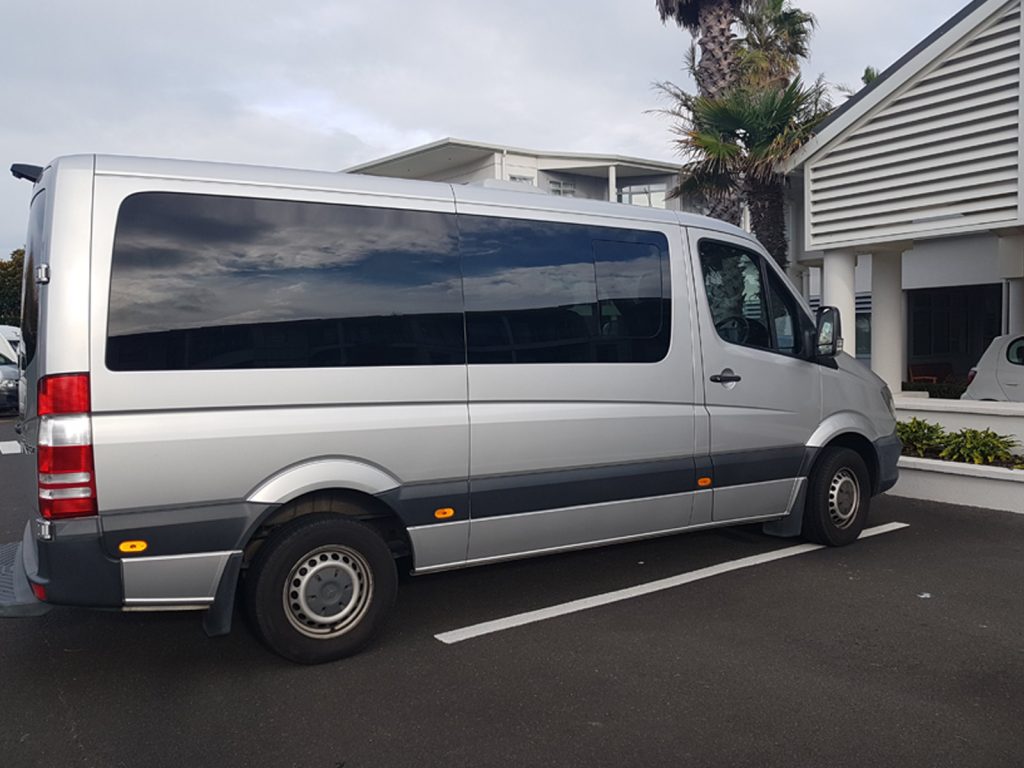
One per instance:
(323, 84)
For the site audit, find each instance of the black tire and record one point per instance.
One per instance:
(838, 498)
(338, 570)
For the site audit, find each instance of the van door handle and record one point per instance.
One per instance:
(726, 377)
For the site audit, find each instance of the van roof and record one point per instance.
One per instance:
(289, 178)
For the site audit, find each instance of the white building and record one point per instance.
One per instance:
(907, 206)
(596, 177)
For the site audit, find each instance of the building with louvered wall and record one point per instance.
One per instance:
(918, 179)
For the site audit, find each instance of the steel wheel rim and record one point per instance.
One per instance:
(843, 498)
(328, 591)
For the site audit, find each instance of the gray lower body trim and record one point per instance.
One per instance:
(180, 580)
(738, 502)
(439, 545)
(594, 544)
(574, 526)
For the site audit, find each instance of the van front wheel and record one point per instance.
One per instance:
(838, 498)
(320, 588)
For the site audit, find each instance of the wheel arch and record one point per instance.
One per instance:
(344, 501)
(862, 446)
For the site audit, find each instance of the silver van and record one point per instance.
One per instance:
(291, 383)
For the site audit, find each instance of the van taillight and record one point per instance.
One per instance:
(64, 393)
(970, 375)
(67, 478)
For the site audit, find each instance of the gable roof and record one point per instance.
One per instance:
(908, 65)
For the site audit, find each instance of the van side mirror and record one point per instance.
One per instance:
(828, 338)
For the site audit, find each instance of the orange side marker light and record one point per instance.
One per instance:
(703, 482)
(444, 513)
(133, 547)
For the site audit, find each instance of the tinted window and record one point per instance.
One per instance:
(30, 289)
(744, 309)
(204, 282)
(545, 292)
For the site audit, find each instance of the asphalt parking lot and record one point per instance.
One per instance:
(906, 649)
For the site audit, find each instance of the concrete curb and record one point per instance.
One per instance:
(953, 482)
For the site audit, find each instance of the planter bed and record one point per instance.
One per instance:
(957, 483)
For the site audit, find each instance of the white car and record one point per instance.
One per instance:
(999, 375)
(12, 334)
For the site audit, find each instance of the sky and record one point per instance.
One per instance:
(326, 84)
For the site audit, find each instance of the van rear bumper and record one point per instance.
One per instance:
(72, 566)
(16, 597)
(888, 450)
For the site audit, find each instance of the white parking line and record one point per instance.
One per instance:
(583, 604)
(10, 446)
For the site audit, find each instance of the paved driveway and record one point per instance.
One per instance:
(906, 649)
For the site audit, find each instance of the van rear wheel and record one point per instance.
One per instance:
(320, 588)
(838, 498)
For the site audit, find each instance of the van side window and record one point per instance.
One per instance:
(213, 282)
(549, 292)
(744, 309)
(30, 289)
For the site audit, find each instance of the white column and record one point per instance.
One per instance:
(1011, 269)
(795, 272)
(887, 329)
(613, 186)
(840, 290)
(1015, 305)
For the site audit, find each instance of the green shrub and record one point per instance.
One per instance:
(921, 438)
(979, 446)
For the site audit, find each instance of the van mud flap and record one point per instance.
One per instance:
(16, 598)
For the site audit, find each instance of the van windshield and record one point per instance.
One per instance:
(30, 289)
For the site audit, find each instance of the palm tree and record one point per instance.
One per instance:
(711, 23)
(740, 141)
(776, 36)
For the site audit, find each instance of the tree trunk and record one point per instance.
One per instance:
(716, 74)
(727, 207)
(716, 69)
(768, 217)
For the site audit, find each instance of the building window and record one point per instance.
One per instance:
(863, 336)
(645, 195)
(522, 179)
(563, 188)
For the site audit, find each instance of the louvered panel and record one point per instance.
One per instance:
(908, 193)
(897, 183)
(942, 154)
(1003, 83)
(965, 82)
(980, 47)
(872, 234)
(913, 216)
(924, 130)
(953, 105)
(1000, 142)
(941, 134)
(907, 207)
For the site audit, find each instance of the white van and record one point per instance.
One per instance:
(286, 382)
